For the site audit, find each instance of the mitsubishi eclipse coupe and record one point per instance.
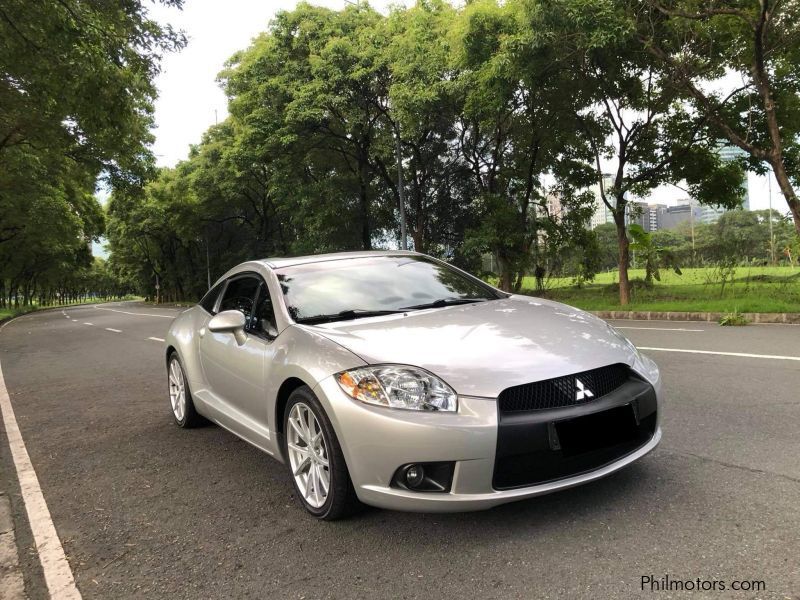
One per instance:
(396, 380)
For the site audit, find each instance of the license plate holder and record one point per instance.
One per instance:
(596, 431)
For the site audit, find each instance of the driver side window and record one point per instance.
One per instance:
(263, 322)
(240, 295)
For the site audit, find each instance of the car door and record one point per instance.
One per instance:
(234, 372)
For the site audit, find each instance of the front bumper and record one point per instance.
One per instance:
(376, 441)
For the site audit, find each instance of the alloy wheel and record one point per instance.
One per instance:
(177, 390)
(308, 455)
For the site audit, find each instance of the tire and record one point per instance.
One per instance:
(180, 397)
(326, 459)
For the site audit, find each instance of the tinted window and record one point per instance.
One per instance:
(240, 295)
(263, 320)
(210, 299)
(380, 283)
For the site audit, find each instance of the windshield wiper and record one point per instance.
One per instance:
(346, 315)
(445, 302)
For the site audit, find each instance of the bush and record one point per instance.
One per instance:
(734, 319)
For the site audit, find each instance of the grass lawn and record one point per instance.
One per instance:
(751, 289)
(14, 312)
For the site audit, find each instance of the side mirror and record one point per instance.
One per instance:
(231, 321)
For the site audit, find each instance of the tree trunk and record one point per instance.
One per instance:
(505, 280)
(419, 245)
(506, 274)
(788, 191)
(622, 241)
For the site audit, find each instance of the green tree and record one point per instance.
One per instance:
(608, 247)
(512, 133)
(78, 78)
(653, 256)
(425, 105)
(754, 42)
(76, 94)
(639, 134)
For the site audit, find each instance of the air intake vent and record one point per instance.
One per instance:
(570, 390)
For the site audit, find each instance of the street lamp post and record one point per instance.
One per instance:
(208, 266)
(771, 235)
(400, 191)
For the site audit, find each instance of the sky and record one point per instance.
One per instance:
(190, 100)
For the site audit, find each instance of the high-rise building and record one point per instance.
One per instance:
(553, 203)
(710, 214)
(669, 217)
(646, 215)
(602, 213)
(728, 152)
(653, 212)
(639, 213)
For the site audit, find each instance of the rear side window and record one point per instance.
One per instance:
(210, 299)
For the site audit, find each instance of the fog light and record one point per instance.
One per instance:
(415, 475)
(424, 477)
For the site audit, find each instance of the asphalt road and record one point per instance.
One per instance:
(145, 510)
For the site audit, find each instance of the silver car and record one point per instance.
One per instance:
(396, 380)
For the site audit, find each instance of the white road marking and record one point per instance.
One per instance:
(740, 354)
(138, 314)
(155, 339)
(88, 323)
(114, 330)
(57, 573)
(658, 328)
(74, 320)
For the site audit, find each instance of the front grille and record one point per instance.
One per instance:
(563, 391)
(534, 447)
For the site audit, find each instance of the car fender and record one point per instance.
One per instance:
(304, 355)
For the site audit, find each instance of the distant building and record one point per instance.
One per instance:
(728, 152)
(653, 216)
(602, 214)
(639, 213)
(646, 215)
(710, 214)
(669, 217)
(553, 203)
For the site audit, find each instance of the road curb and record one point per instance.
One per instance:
(785, 318)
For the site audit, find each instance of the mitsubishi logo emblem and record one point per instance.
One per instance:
(583, 391)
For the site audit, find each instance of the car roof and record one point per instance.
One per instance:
(280, 262)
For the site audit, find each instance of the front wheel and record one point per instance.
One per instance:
(180, 398)
(315, 459)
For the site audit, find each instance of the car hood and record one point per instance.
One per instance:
(481, 349)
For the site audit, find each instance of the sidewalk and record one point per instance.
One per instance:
(788, 318)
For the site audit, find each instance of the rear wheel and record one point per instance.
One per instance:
(315, 459)
(180, 398)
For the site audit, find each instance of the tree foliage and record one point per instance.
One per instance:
(498, 115)
(76, 94)
(755, 44)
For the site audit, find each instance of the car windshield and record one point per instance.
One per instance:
(360, 287)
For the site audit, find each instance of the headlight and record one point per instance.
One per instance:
(398, 386)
